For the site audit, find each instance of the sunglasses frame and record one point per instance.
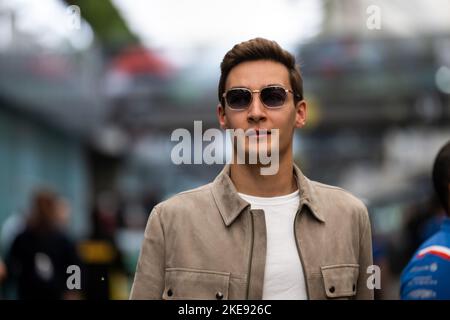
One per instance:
(258, 91)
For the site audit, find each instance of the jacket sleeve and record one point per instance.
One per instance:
(149, 277)
(365, 291)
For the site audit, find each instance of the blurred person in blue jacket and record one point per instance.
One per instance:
(427, 276)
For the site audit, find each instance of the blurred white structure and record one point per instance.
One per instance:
(398, 17)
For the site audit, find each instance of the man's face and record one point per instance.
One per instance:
(256, 75)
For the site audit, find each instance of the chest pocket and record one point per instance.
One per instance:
(184, 283)
(340, 281)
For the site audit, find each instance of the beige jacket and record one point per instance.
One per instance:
(206, 243)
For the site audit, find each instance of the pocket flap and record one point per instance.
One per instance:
(340, 280)
(185, 283)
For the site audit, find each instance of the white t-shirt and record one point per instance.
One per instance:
(283, 276)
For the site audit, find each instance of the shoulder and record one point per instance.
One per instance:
(440, 238)
(187, 201)
(337, 203)
(437, 245)
(25, 235)
(337, 195)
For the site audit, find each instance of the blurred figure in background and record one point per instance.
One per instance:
(38, 259)
(2, 275)
(2, 270)
(104, 276)
(423, 220)
(427, 276)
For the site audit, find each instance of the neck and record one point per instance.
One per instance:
(248, 179)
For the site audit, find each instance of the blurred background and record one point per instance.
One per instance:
(90, 92)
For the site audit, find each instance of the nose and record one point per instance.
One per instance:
(256, 110)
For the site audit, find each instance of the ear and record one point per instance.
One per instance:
(221, 116)
(300, 114)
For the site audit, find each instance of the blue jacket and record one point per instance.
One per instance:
(427, 275)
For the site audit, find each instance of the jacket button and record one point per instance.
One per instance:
(169, 292)
(219, 295)
(332, 289)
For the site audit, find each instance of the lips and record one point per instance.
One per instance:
(257, 132)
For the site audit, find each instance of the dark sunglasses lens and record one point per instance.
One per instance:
(273, 96)
(238, 98)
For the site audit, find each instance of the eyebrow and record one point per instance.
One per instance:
(267, 85)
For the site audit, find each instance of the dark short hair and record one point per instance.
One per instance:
(441, 175)
(260, 49)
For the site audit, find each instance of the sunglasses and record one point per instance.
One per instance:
(272, 97)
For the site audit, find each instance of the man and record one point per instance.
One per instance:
(427, 276)
(39, 256)
(249, 235)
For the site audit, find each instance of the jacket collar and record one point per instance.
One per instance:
(230, 204)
